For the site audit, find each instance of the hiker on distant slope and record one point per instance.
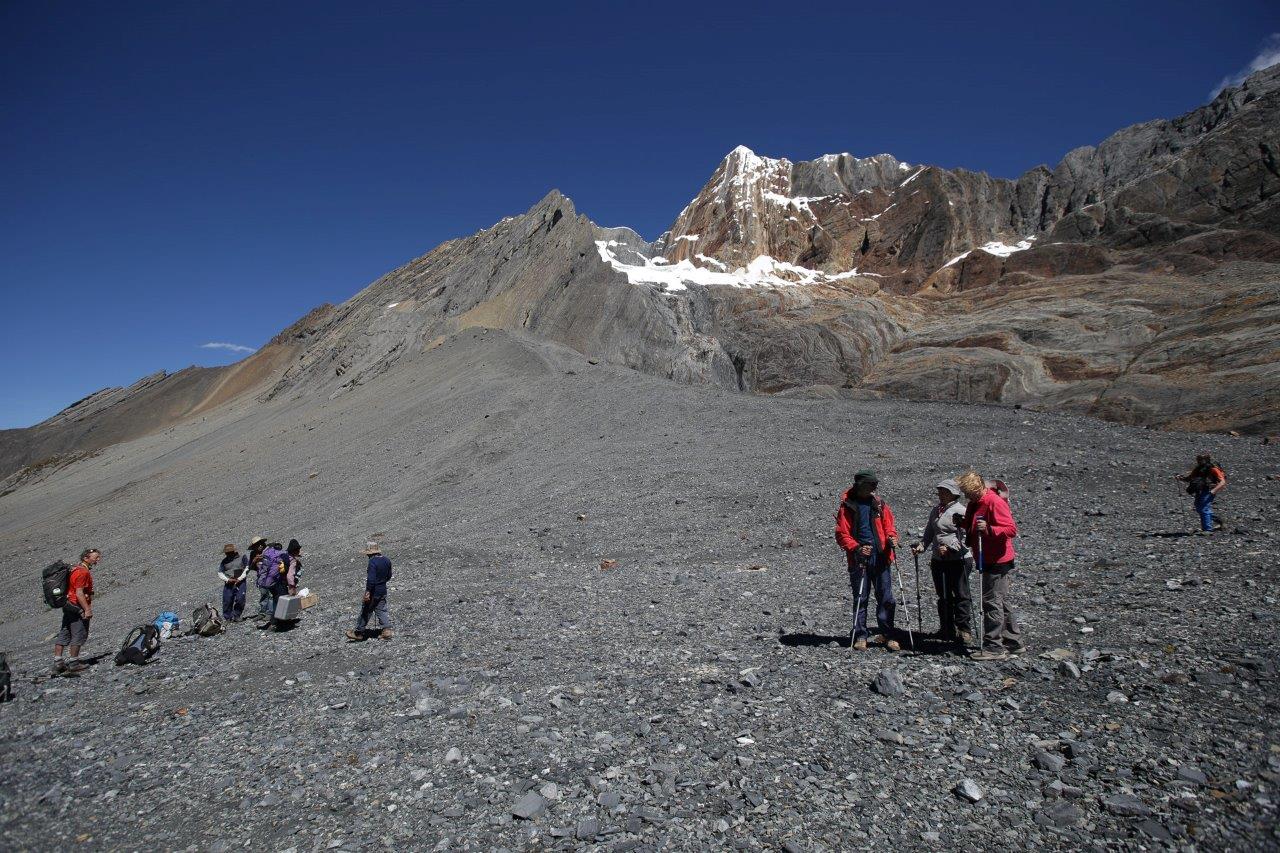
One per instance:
(1204, 481)
(949, 563)
(76, 614)
(234, 577)
(866, 532)
(989, 529)
(271, 578)
(375, 595)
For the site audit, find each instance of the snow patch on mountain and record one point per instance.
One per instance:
(764, 271)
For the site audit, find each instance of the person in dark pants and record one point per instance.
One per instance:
(866, 531)
(375, 595)
(250, 562)
(949, 563)
(234, 577)
(271, 578)
(989, 526)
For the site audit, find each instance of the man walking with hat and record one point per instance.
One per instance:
(375, 595)
(866, 531)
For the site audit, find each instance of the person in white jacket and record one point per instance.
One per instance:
(950, 564)
(234, 576)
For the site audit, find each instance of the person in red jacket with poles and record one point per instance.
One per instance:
(990, 530)
(866, 532)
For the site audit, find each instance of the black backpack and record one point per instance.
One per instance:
(56, 579)
(142, 642)
(6, 679)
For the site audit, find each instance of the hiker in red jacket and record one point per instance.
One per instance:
(990, 529)
(866, 532)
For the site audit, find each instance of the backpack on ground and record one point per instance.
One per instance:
(206, 621)
(139, 646)
(6, 679)
(166, 623)
(56, 579)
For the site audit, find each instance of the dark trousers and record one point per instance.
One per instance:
(955, 604)
(281, 588)
(369, 608)
(999, 623)
(233, 600)
(866, 575)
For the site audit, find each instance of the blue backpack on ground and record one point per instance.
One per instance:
(167, 623)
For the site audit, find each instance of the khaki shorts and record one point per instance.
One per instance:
(75, 628)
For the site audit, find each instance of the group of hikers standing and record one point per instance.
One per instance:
(971, 521)
(970, 527)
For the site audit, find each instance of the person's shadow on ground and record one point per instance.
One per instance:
(924, 644)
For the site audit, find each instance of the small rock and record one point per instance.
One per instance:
(1115, 697)
(888, 683)
(1068, 669)
(968, 790)
(453, 756)
(1191, 773)
(1048, 761)
(529, 806)
(1125, 805)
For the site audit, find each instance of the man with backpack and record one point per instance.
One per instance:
(865, 530)
(1205, 479)
(271, 579)
(76, 614)
(375, 595)
(234, 576)
(250, 562)
(990, 529)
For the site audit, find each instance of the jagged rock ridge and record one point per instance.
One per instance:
(1136, 281)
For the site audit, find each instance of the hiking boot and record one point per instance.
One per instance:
(385, 634)
(59, 667)
(860, 644)
(989, 654)
(965, 638)
(892, 646)
(74, 667)
(355, 637)
(1014, 649)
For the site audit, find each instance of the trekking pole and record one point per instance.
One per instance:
(982, 600)
(919, 606)
(893, 567)
(857, 604)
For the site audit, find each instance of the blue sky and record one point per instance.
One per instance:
(181, 173)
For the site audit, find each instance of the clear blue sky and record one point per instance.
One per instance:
(177, 173)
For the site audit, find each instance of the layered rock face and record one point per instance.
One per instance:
(1139, 280)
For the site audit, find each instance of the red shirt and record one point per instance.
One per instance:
(997, 542)
(81, 581)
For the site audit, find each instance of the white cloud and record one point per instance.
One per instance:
(226, 346)
(1269, 55)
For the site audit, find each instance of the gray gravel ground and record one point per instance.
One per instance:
(696, 695)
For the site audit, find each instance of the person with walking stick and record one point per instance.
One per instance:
(865, 530)
(989, 526)
(949, 563)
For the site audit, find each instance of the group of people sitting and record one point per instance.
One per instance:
(971, 524)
